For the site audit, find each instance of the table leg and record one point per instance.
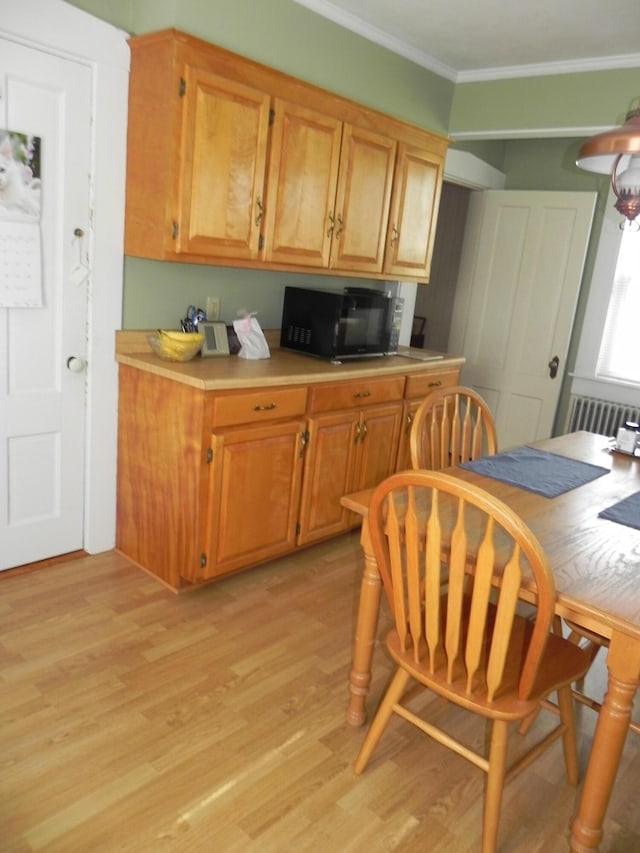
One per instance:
(366, 626)
(623, 663)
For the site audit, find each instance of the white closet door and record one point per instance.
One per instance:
(42, 400)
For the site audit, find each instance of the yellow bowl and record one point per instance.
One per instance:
(176, 346)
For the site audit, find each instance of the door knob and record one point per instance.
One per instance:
(553, 366)
(76, 365)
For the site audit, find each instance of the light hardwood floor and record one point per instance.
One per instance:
(135, 720)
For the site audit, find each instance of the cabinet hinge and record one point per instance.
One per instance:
(182, 87)
(174, 230)
(203, 560)
(209, 455)
(272, 117)
(261, 242)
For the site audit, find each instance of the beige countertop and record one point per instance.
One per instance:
(282, 368)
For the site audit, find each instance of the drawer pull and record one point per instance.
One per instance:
(435, 384)
(266, 408)
(360, 394)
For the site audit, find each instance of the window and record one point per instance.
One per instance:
(618, 358)
(607, 362)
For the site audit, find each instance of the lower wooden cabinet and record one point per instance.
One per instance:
(347, 451)
(212, 482)
(254, 494)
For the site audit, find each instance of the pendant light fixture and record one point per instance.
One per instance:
(617, 153)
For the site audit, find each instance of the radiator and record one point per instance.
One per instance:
(601, 416)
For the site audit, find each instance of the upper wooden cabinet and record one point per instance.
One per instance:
(232, 162)
(221, 167)
(303, 173)
(414, 212)
(329, 192)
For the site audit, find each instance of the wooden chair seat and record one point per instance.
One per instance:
(452, 559)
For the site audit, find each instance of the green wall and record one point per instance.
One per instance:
(559, 105)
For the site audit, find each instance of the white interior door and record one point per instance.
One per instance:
(42, 401)
(520, 273)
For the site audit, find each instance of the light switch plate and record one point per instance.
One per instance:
(213, 308)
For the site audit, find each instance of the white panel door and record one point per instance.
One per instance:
(520, 273)
(42, 401)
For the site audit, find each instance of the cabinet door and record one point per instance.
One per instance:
(303, 173)
(414, 210)
(378, 445)
(224, 144)
(329, 465)
(254, 493)
(362, 202)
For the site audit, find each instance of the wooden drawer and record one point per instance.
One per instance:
(421, 384)
(350, 395)
(258, 406)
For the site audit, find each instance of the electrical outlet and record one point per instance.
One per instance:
(213, 308)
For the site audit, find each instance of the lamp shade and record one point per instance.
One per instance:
(617, 153)
(599, 153)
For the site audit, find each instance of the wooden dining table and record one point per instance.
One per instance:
(596, 565)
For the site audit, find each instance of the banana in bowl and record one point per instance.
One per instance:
(176, 346)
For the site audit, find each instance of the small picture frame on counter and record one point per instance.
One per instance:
(216, 341)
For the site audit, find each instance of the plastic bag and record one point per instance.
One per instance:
(253, 343)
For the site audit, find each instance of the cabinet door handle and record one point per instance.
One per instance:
(332, 223)
(360, 394)
(267, 408)
(339, 228)
(260, 209)
(356, 437)
(304, 440)
(409, 421)
(394, 236)
(363, 431)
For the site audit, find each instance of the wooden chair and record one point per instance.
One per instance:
(462, 640)
(452, 425)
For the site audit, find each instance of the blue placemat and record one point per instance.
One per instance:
(626, 511)
(538, 471)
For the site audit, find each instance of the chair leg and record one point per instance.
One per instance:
(381, 718)
(527, 722)
(495, 784)
(569, 741)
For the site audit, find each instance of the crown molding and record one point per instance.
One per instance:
(544, 69)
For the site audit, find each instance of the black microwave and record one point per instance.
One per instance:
(357, 322)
